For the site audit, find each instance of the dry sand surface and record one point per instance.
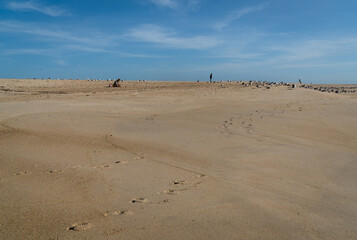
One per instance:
(176, 160)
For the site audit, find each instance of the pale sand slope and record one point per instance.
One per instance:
(249, 163)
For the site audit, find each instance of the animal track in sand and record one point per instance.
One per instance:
(151, 117)
(227, 123)
(80, 226)
(226, 126)
(248, 122)
(139, 200)
(289, 107)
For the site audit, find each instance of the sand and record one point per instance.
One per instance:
(176, 160)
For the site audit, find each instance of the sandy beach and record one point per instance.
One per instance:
(176, 160)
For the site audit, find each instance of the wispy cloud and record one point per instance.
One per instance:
(61, 62)
(31, 51)
(177, 5)
(28, 6)
(238, 55)
(56, 36)
(59, 42)
(297, 54)
(83, 48)
(315, 48)
(193, 4)
(232, 16)
(317, 65)
(156, 34)
(165, 3)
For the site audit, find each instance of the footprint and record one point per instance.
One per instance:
(139, 200)
(123, 212)
(114, 232)
(121, 162)
(105, 166)
(179, 182)
(165, 201)
(22, 173)
(200, 175)
(197, 183)
(171, 192)
(55, 171)
(139, 156)
(117, 213)
(80, 227)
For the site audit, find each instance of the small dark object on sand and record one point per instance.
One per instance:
(117, 83)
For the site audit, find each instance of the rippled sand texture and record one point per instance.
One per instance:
(161, 160)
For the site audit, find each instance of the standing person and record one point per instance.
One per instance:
(210, 78)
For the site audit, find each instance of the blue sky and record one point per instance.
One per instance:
(274, 40)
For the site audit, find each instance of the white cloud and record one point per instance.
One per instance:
(35, 6)
(155, 34)
(236, 15)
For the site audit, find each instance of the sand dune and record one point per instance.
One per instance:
(176, 160)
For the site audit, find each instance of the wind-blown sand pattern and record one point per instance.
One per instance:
(176, 160)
